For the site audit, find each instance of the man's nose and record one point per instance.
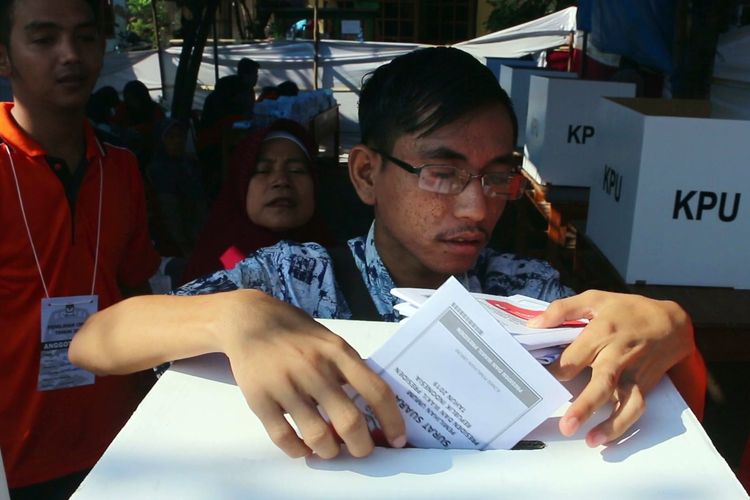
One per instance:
(70, 49)
(471, 203)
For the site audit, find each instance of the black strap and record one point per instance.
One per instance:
(350, 281)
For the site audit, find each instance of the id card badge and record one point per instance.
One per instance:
(62, 317)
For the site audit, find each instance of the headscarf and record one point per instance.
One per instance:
(229, 235)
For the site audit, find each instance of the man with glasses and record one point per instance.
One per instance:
(437, 163)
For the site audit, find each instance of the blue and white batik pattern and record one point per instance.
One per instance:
(302, 275)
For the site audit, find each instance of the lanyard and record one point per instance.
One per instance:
(28, 229)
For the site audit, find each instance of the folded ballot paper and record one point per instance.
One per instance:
(512, 313)
(461, 377)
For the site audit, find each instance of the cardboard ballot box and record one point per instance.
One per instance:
(670, 201)
(562, 128)
(515, 81)
(496, 63)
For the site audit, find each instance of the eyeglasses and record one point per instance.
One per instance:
(447, 179)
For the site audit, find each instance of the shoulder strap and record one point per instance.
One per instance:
(350, 280)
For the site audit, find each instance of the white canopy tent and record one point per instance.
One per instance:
(342, 64)
(548, 32)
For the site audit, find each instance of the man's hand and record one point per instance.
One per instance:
(292, 365)
(282, 359)
(630, 343)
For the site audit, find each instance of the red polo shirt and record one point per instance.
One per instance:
(48, 434)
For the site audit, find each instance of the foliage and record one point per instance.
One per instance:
(507, 13)
(141, 21)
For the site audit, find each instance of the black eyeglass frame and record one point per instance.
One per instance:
(514, 160)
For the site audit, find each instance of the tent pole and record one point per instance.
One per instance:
(584, 57)
(216, 53)
(316, 43)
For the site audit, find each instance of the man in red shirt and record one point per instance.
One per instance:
(74, 232)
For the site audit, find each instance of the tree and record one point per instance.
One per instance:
(507, 13)
(141, 20)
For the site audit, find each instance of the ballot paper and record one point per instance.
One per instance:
(460, 379)
(511, 312)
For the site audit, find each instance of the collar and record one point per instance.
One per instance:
(377, 278)
(17, 139)
(379, 281)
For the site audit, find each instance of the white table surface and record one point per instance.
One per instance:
(193, 437)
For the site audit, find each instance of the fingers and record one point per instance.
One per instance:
(573, 359)
(628, 409)
(583, 350)
(576, 307)
(345, 417)
(277, 427)
(379, 397)
(595, 395)
(607, 381)
(315, 380)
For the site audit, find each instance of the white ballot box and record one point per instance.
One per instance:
(193, 437)
(562, 128)
(670, 201)
(515, 81)
(496, 63)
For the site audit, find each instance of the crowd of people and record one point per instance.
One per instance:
(438, 174)
(199, 212)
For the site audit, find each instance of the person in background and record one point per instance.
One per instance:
(437, 162)
(175, 178)
(100, 111)
(268, 196)
(74, 235)
(102, 105)
(230, 102)
(140, 114)
(247, 71)
(286, 88)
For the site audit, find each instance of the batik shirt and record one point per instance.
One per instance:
(302, 274)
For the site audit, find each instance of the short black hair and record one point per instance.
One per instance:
(247, 65)
(287, 88)
(423, 91)
(6, 17)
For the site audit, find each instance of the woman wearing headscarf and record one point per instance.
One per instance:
(268, 196)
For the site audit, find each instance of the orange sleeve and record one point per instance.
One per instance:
(690, 378)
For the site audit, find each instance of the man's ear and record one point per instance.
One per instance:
(5, 66)
(364, 164)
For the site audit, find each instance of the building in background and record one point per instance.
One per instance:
(415, 21)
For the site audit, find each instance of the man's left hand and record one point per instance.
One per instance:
(630, 343)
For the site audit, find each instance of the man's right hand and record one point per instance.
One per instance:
(282, 359)
(292, 364)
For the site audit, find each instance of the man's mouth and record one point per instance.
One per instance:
(464, 241)
(72, 79)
